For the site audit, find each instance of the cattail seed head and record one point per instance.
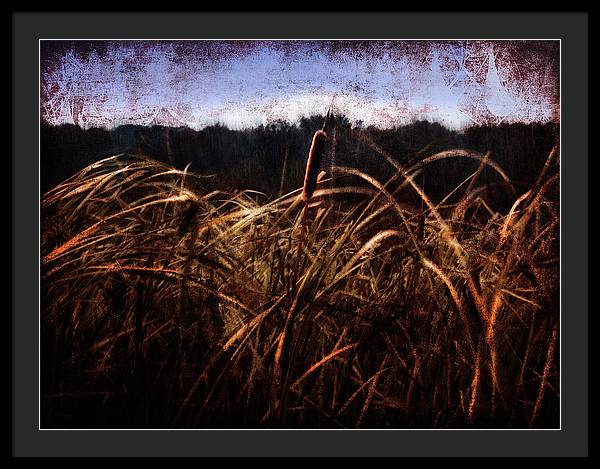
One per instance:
(312, 166)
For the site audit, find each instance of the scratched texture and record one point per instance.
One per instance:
(246, 83)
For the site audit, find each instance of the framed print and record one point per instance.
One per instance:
(347, 236)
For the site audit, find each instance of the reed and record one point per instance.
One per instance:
(315, 156)
(368, 312)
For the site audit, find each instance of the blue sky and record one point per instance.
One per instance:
(247, 83)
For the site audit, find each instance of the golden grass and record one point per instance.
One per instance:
(187, 306)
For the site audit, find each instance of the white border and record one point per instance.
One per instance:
(300, 429)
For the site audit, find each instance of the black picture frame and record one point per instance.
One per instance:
(570, 440)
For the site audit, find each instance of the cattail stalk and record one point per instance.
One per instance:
(315, 156)
(311, 178)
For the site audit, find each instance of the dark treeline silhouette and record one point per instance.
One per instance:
(271, 158)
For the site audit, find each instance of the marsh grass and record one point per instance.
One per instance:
(167, 302)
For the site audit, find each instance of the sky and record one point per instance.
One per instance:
(242, 84)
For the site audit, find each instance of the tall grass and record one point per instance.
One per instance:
(167, 302)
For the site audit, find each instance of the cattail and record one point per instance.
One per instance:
(312, 166)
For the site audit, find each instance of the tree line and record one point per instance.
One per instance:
(271, 158)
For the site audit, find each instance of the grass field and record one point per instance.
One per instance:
(167, 302)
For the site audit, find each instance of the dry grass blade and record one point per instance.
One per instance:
(322, 362)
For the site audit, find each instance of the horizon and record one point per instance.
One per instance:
(298, 123)
(245, 84)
